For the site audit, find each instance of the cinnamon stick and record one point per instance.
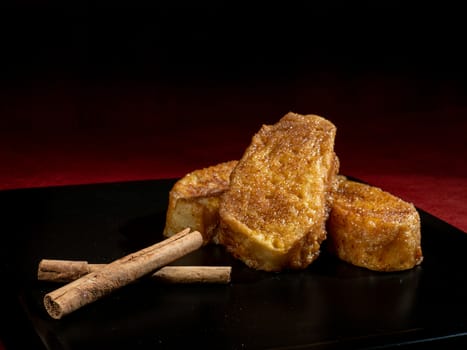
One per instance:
(52, 270)
(194, 274)
(119, 273)
(70, 270)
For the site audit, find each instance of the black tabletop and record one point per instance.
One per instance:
(330, 304)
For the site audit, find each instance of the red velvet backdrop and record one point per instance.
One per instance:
(130, 92)
(404, 134)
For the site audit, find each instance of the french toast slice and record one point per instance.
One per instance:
(371, 228)
(194, 200)
(273, 215)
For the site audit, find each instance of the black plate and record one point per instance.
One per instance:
(329, 305)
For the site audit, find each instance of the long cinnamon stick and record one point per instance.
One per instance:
(69, 270)
(119, 273)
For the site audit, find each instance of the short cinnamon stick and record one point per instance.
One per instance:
(119, 273)
(53, 270)
(70, 270)
(194, 274)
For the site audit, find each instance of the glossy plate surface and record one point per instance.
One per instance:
(329, 305)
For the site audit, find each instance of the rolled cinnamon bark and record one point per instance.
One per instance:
(194, 274)
(52, 270)
(70, 270)
(119, 273)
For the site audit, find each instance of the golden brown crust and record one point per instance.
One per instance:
(194, 200)
(204, 182)
(371, 228)
(273, 215)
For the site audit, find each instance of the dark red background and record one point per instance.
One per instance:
(129, 92)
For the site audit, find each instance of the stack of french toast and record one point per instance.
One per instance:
(274, 207)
